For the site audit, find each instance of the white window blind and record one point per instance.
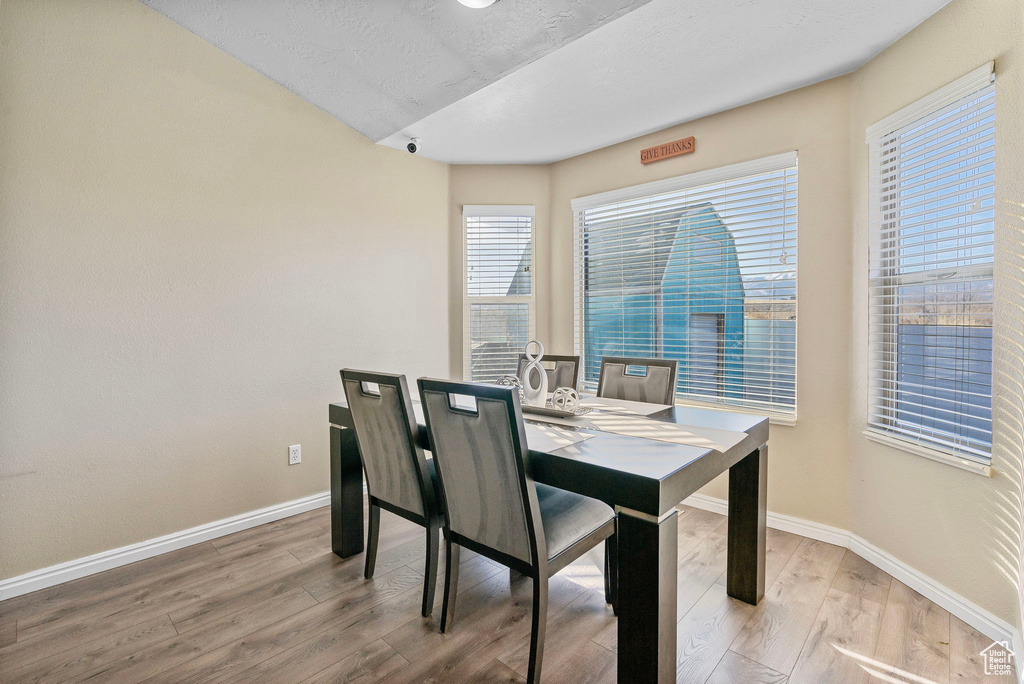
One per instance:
(701, 269)
(498, 312)
(931, 277)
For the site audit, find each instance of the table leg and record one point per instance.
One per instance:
(646, 597)
(748, 512)
(346, 494)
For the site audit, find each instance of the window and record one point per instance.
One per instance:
(707, 353)
(498, 307)
(701, 269)
(932, 250)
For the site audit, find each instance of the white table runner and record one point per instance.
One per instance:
(618, 418)
(548, 437)
(538, 437)
(646, 428)
(621, 417)
(624, 406)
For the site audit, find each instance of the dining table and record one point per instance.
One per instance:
(643, 460)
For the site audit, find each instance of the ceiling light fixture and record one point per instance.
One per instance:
(477, 4)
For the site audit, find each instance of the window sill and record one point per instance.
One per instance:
(773, 419)
(932, 454)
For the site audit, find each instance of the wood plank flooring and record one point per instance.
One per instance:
(273, 604)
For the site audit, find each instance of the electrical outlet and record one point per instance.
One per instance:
(294, 454)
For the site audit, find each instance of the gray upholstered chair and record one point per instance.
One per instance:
(656, 384)
(399, 478)
(565, 373)
(493, 505)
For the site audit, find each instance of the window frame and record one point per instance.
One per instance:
(776, 162)
(885, 278)
(482, 211)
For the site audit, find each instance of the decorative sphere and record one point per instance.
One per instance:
(511, 381)
(565, 399)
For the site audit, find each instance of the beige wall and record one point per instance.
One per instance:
(961, 529)
(188, 254)
(807, 465)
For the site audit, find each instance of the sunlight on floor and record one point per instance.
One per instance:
(884, 672)
(588, 571)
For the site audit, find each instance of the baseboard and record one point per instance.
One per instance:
(988, 624)
(106, 560)
(991, 626)
(778, 521)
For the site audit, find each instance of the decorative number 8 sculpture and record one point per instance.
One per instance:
(534, 395)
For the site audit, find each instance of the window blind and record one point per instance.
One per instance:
(701, 269)
(931, 272)
(498, 314)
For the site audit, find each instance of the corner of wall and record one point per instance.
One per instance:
(963, 530)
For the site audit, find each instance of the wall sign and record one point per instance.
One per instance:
(672, 149)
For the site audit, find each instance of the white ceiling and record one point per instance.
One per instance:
(535, 81)
(380, 65)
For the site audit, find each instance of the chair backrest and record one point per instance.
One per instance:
(655, 383)
(565, 373)
(385, 426)
(479, 445)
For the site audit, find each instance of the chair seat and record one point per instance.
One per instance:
(569, 517)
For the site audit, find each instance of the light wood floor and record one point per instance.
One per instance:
(273, 604)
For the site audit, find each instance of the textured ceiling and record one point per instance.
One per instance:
(665, 63)
(381, 65)
(535, 81)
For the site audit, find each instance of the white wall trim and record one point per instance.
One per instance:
(499, 210)
(778, 521)
(106, 560)
(775, 162)
(928, 452)
(985, 622)
(946, 95)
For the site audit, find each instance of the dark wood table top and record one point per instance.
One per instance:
(646, 475)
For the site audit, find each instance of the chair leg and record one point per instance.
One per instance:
(430, 571)
(451, 583)
(540, 622)
(611, 571)
(373, 532)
